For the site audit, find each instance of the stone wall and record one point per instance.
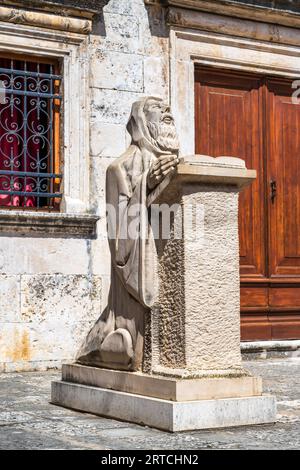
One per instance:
(53, 289)
(127, 61)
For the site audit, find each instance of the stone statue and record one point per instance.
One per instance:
(173, 313)
(117, 339)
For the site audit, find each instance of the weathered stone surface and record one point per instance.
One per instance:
(125, 7)
(112, 106)
(10, 298)
(122, 33)
(61, 6)
(270, 349)
(55, 312)
(98, 167)
(277, 12)
(287, 5)
(68, 295)
(41, 255)
(117, 71)
(25, 346)
(107, 140)
(128, 26)
(154, 32)
(194, 330)
(156, 77)
(100, 255)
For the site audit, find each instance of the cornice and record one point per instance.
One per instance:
(50, 224)
(78, 8)
(45, 20)
(235, 9)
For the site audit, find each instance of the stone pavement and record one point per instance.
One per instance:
(28, 421)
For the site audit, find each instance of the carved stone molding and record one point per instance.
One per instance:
(223, 48)
(77, 8)
(204, 21)
(45, 20)
(275, 12)
(50, 224)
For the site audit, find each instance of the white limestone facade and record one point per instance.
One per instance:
(54, 285)
(54, 270)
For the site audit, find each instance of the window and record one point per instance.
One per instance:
(30, 103)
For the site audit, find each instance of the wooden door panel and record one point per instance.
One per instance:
(253, 117)
(284, 168)
(259, 326)
(285, 325)
(283, 296)
(228, 122)
(254, 296)
(255, 326)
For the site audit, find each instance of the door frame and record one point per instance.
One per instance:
(270, 308)
(189, 47)
(249, 50)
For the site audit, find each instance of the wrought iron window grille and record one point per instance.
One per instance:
(29, 95)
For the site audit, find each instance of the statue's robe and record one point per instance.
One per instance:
(133, 267)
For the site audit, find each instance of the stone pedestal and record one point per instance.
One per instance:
(195, 329)
(193, 376)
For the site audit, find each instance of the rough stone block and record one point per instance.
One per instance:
(125, 7)
(122, 33)
(107, 140)
(73, 297)
(54, 314)
(15, 342)
(199, 308)
(53, 339)
(101, 257)
(10, 298)
(117, 71)
(39, 255)
(112, 106)
(156, 77)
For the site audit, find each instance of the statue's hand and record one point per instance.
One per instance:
(163, 166)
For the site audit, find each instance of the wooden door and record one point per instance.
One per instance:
(252, 117)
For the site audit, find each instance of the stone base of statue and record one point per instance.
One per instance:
(193, 375)
(164, 402)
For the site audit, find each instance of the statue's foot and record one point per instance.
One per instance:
(117, 348)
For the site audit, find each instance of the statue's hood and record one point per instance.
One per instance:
(138, 129)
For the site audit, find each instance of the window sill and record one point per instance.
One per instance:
(47, 224)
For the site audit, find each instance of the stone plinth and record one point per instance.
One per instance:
(166, 388)
(193, 376)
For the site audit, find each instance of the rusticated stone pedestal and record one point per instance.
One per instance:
(193, 376)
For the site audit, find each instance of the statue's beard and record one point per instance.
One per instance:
(164, 135)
